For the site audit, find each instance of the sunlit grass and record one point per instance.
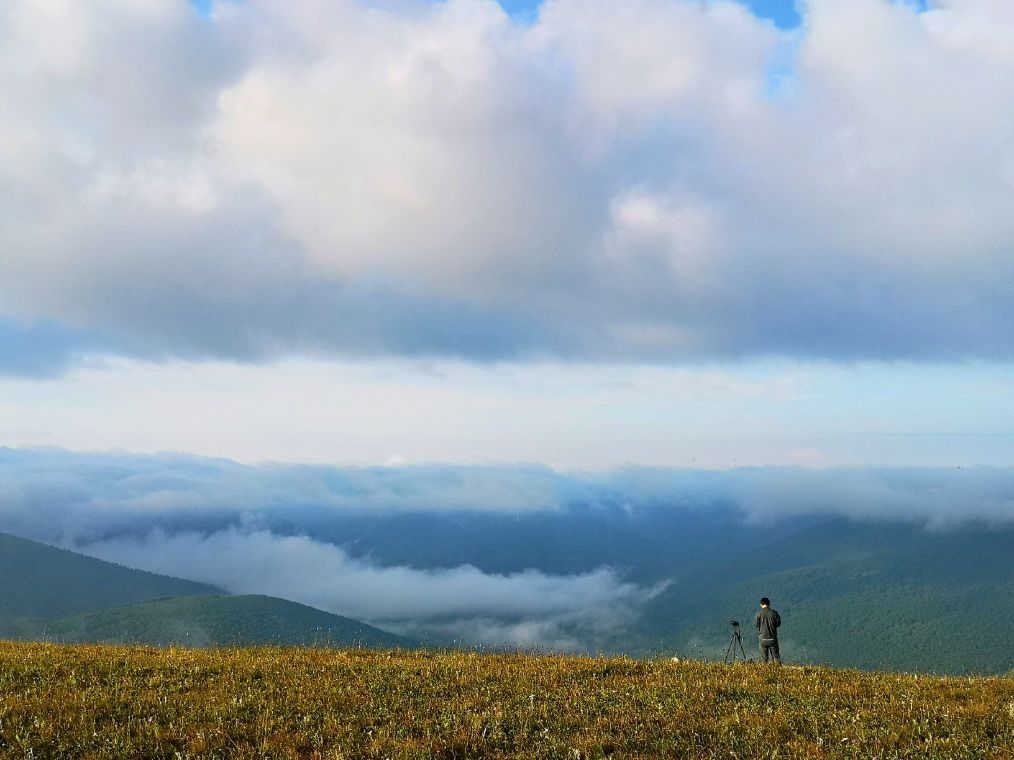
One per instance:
(120, 702)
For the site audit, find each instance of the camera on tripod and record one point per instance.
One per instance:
(735, 647)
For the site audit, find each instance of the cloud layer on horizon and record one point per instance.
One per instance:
(75, 498)
(647, 180)
(524, 555)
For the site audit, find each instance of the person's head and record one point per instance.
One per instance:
(765, 602)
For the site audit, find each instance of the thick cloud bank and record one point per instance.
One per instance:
(650, 179)
(524, 608)
(488, 555)
(72, 498)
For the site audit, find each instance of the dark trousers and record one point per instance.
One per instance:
(769, 650)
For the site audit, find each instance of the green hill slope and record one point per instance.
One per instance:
(39, 581)
(868, 593)
(54, 594)
(874, 597)
(202, 621)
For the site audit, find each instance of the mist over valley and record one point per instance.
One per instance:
(636, 561)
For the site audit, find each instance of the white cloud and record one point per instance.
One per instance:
(642, 64)
(527, 607)
(612, 181)
(419, 149)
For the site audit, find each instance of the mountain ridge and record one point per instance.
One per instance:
(54, 594)
(46, 581)
(220, 620)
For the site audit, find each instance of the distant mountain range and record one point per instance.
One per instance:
(857, 594)
(870, 594)
(853, 593)
(58, 595)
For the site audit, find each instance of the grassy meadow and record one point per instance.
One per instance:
(62, 701)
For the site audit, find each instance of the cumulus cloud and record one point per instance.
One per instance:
(610, 181)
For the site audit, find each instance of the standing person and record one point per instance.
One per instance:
(767, 622)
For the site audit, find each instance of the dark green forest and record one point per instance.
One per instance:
(876, 596)
(55, 595)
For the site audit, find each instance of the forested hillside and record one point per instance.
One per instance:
(853, 593)
(866, 594)
(202, 621)
(882, 597)
(56, 595)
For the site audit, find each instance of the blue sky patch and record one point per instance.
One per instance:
(782, 12)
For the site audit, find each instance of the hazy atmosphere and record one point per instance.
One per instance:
(281, 282)
(346, 539)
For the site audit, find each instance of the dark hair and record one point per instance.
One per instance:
(765, 602)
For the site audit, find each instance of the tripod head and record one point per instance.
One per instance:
(734, 623)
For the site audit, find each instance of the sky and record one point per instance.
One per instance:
(581, 234)
(267, 263)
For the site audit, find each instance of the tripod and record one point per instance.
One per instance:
(735, 642)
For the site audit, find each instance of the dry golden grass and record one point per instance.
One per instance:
(120, 702)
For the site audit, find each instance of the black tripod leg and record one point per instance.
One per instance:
(730, 650)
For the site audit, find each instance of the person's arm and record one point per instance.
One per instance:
(778, 619)
(756, 621)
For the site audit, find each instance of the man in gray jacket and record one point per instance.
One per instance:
(767, 622)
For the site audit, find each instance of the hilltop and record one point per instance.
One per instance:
(53, 594)
(221, 621)
(41, 581)
(117, 702)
